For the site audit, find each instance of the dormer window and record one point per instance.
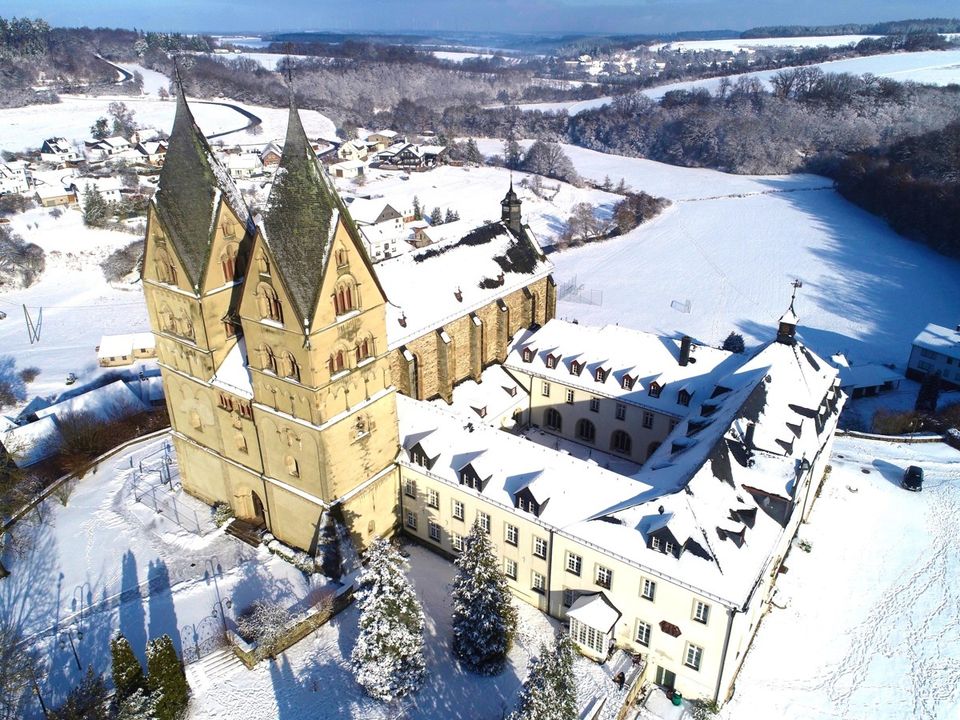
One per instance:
(576, 368)
(552, 361)
(683, 397)
(655, 543)
(600, 375)
(528, 354)
(655, 390)
(627, 383)
(470, 478)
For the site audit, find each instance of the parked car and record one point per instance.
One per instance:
(71, 378)
(912, 479)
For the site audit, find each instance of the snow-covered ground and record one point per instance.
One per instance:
(871, 625)
(459, 56)
(71, 118)
(266, 60)
(735, 44)
(313, 679)
(731, 245)
(79, 305)
(153, 81)
(104, 562)
(934, 67)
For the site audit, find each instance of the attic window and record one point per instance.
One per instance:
(627, 383)
(655, 390)
(552, 361)
(683, 397)
(419, 457)
(600, 375)
(528, 354)
(576, 368)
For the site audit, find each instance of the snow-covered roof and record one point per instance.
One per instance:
(33, 442)
(595, 610)
(348, 165)
(242, 161)
(367, 211)
(864, 376)
(940, 339)
(107, 402)
(488, 263)
(511, 462)
(46, 192)
(124, 345)
(496, 395)
(233, 375)
(621, 352)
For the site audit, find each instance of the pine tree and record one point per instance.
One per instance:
(127, 672)
(511, 154)
(417, 209)
(450, 216)
(606, 183)
(484, 619)
(100, 129)
(734, 343)
(549, 692)
(473, 154)
(165, 679)
(621, 188)
(95, 208)
(388, 657)
(436, 217)
(87, 701)
(139, 706)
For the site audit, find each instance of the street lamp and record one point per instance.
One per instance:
(36, 691)
(69, 636)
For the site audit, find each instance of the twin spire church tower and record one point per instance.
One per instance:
(272, 335)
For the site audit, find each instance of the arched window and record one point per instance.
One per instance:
(364, 349)
(166, 319)
(342, 258)
(293, 469)
(228, 262)
(268, 360)
(292, 367)
(620, 442)
(553, 419)
(263, 265)
(269, 303)
(184, 327)
(164, 267)
(241, 441)
(344, 298)
(336, 363)
(586, 431)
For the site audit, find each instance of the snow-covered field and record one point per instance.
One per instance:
(459, 56)
(735, 44)
(71, 118)
(79, 306)
(934, 67)
(266, 60)
(731, 245)
(871, 625)
(80, 571)
(153, 81)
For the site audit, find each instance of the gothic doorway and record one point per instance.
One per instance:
(258, 515)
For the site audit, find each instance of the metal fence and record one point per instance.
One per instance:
(572, 291)
(156, 484)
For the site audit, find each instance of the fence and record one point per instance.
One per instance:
(156, 485)
(572, 291)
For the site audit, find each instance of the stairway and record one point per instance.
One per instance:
(245, 531)
(217, 666)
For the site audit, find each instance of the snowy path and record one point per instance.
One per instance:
(888, 645)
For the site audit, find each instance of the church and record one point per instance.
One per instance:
(304, 382)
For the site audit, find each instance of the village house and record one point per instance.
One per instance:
(152, 151)
(126, 349)
(412, 157)
(382, 139)
(243, 165)
(14, 177)
(109, 188)
(58, 151)
(55, 195)
(116, 147)
(270, 155)
(348, 169)
(936, 350)
(352, 150)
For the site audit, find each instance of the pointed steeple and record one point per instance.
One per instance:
(298, 220)
(190, 185)
(787, 327)
(510, 209)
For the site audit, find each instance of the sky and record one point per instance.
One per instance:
(515, 16)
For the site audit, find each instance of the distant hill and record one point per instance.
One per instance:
(893, 27)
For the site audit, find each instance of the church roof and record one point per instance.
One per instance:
(191, 184)
(301, 216)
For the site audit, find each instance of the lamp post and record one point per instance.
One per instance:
(36, 691)
(73, 647)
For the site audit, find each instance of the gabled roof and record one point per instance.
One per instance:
(191, 184)
(300, 218)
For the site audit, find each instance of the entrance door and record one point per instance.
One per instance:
(665, 678)
(258, 517)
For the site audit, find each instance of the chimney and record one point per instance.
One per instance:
(660, 509)
(685, 343)
(748, 439)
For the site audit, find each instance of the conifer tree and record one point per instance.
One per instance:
(388, 657)
(549, 692)
(127, 672)
(139, 706)
(484, 619)
(87, 701)
(165, 679)
(95, 208)
(734, 343)
(436, 217)
(450, 216)
(511, 154)
(473, 154)
(417, 209)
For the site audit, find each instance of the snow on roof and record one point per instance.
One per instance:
(596, 611)
(385, 133)
(366, 211)
(864, 376)
(620, 351)
(349, 165)
(939, 339)
(46, 192)
(242, 161)
(33, 442)
(106, 402)
(233, 374)
(488, 263)
(511, 462)
(124, 345)
(496, 395)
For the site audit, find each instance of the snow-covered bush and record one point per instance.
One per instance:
(303, 561)
(222, 513)
(265, 624)
(388, 656)
(484, 618)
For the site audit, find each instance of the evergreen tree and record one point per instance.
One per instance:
(165, 679)
(484, 619)
(95, 208)
(388, 656)
(450, 216)
(100, 129)
(417, 209)
(734, 343)
(127, 672)
(621, 188)
(139, 706)
(606, 183)
(511, 154)
(549, 692)
(436, 217)
(473, 154)
(929, 394)
(87, 701)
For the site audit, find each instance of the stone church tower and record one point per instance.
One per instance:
(271, 337)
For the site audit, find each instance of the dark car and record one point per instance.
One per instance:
(912, 479)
